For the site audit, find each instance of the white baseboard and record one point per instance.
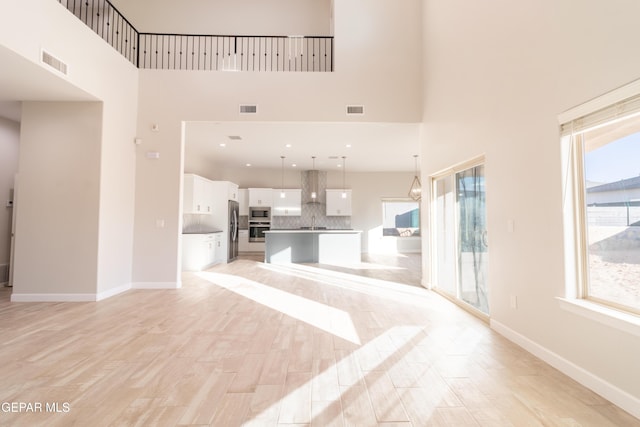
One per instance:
(92, 297)
(619, 397)
(53, 297)
(156, 285)
(112, 292)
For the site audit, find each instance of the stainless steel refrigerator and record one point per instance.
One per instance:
(232, 244)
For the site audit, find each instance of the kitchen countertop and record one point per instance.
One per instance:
(202, 232)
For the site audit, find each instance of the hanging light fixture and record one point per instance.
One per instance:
(415, 191)
(314, 178)
(344, 173)
(282, 193)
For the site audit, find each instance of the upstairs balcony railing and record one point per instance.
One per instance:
(235, 53)
(203, 52)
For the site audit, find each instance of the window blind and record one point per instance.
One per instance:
(621, 110)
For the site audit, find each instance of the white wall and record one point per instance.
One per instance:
(224, 17)
(497, 75)
(95, 72)
(9, 148)
(378, 63)
(56, 250)
(368, 191)
(117, 182)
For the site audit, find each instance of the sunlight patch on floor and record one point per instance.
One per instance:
(329, 319)
(366, 266)
(400, 336)
(393, 291)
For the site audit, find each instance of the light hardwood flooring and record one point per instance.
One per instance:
(264, 345)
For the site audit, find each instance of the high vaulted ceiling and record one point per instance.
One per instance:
(373, 146)
(381, 147)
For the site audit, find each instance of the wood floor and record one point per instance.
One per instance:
(262, 345)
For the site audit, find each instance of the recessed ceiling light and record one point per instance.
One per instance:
(348, 145)
(288, 145)
(294, 165)
(223, 144)
(248, 165)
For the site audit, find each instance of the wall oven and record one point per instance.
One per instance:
(257, 229)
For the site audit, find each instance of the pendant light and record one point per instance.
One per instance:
(314, 183)
(282, 193)
(415, 191)
(344, 173)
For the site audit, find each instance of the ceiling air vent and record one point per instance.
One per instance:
(54, 62)
(355, 110)
(248, 109)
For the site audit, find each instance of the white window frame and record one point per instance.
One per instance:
(576, 298)
(402, 200)
(433, 285)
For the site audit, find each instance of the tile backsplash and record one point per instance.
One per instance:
(312, 212)
(306, 219)
(194, 223)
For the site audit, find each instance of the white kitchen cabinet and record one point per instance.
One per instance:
(289, 205)
(218, 249)
(256, 246)
(338, 205)
(233, 191)
(243, 240)
(224, 191)
(260, 197)
(199, 251)
(244, 245)
(243, 201)
(197, 195)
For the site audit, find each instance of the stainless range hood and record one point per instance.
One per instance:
(314, 181)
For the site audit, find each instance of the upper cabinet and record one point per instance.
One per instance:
(243, 201)
(289, 205)
(197, 196)
(338, 205)
(224, 191)
(234, 192)
(260, 197)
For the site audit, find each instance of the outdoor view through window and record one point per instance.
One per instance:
(400, 218)
(612, 196)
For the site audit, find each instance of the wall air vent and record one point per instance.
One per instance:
(355, 110)
(54, 62)
(248, 109)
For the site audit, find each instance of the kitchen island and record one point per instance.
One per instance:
(313, 246)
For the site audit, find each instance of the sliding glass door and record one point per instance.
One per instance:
(460, 236)
(445, 248)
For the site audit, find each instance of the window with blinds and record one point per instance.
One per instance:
(604, 152)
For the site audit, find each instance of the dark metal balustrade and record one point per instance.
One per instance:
(235, 53)
(202, 52)
(108, 23)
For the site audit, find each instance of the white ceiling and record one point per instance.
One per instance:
(380, 147)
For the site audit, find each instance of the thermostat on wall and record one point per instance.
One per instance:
(153, 154)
